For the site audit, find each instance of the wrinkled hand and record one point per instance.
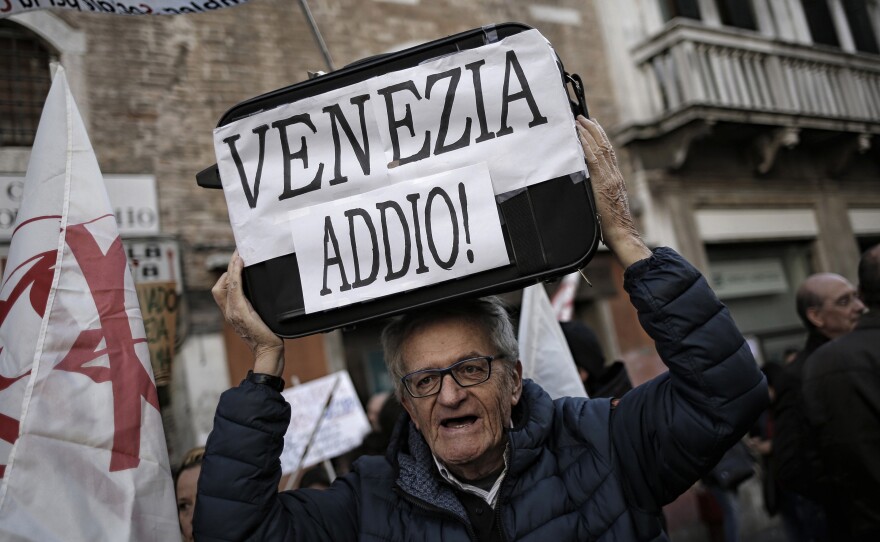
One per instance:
(618, 230)
(268, 348)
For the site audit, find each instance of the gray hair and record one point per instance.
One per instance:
(489, 313)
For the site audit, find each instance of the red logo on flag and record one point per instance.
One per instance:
(37, 280)
(105, 275)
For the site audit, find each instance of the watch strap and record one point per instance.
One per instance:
(274, 382)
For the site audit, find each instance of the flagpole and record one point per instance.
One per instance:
(316, 33)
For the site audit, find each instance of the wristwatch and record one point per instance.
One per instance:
(274, 382)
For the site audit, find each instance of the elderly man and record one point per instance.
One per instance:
(829, 307)
(484, 454)
(842, 396)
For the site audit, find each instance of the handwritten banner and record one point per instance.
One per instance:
(343, 424)
(398, 238)
(503, 104)
(159, 303)
(132, 7)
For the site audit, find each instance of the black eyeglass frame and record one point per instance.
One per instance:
(449, 371)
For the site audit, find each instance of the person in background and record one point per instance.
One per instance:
(185, 484)
(376, 442)
(842, 397)
(760, 441)
(374, 406)
(599, 380)
(829, 307)
(315, 478)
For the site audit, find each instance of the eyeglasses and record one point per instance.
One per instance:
(466, 373)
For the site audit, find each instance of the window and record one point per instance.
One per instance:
(737, 13)
(860, 25)
(24, 83)
(820, 22)
(758, 281)
(680, 8)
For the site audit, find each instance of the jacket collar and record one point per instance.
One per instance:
(869, 320)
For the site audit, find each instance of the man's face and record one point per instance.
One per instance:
(840, 309)
(464, 427)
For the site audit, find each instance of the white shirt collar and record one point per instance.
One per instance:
(491, 496)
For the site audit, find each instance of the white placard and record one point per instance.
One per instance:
(342, 428)
(398, 238)
(503, 104)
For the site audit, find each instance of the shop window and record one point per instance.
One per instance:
(757, 282)
(737, 13)
(24, 83)
(820, 22)
(680, 8)
(860, 25)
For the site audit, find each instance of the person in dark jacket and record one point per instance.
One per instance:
(599, 380)
(484, 454)
(842, 396)
(829, 307)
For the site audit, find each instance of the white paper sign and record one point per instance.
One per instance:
(398, 238)
(502, 104)
(342, 427)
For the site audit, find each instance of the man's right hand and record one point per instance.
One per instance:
(268, 348)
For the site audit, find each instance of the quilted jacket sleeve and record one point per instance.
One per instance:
(238, 495)
(671, 430)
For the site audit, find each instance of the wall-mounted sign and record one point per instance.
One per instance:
(132, 198)
(155, 260)
(747, 278)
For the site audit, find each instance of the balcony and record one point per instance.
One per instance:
(697, 78)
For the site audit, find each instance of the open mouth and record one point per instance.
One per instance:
(456, 423)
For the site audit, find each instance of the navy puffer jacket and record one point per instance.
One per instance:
(578, 468)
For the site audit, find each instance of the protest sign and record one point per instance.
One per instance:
(159, 305)
(340, 427)
(449, 169)
(502, 105)
(370, 245)
(128, 7)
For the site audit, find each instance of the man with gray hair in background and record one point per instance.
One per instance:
(842, 397)
(829, 307)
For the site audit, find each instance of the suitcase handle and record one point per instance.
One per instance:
(577, 85)
(209, 177)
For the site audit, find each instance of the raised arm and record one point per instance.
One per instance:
(238, 495)
(669, 431)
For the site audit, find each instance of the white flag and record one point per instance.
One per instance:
(82, 451)
(543, 351)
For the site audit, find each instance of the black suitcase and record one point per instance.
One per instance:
(549, 228)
